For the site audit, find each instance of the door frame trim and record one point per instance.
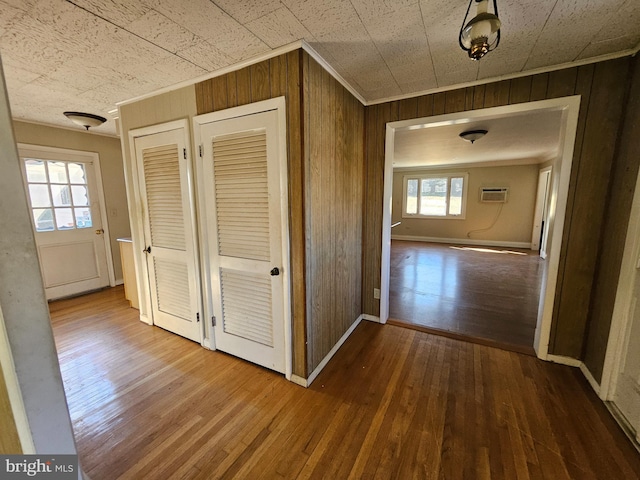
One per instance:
(541, 208)
(95, 160)
(621, 316)
(279, 105)
(570, 106)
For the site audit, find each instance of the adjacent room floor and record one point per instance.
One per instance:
(481, 293)
(393, 403)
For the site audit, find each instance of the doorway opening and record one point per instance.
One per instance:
(565, 111)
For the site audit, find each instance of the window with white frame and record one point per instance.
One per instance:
(58, 194)
(435, 196)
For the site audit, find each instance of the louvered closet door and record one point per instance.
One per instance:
(240, 166)
(167, 198)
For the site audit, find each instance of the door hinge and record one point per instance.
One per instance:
(213, 321)
(200, 150)
(184, 153)
(198, 317)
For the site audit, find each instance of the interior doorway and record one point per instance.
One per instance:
(568, 108)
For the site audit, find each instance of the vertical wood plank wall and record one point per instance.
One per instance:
(278, 76)
(623, 181)
(334, 153)
(603, 88)
(9, 439)
(325, 148)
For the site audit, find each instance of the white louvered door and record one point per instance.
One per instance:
(167, 200)
(243, 195)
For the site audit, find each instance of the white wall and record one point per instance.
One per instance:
(513, 225)
(24, 307)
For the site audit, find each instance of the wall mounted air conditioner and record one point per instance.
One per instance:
(494, 195)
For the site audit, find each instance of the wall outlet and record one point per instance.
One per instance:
(376, 293)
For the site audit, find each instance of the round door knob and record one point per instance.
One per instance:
(274, 271)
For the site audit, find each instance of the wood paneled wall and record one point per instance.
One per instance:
(602, 87)
(334, 153)
(9, 439)
(279, 76)
(325, 128)
(616, 221)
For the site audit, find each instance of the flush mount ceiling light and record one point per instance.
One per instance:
(85, 120)
(482, 33)
(473, 135)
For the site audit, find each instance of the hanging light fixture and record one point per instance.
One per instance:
(85, 120)
(481, 34)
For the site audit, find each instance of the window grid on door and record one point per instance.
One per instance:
(58, 195)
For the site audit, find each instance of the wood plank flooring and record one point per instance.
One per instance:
(483, 293)
(393, 403)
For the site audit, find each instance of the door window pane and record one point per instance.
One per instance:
(83, 217)
(433, 197)
(39, 195)
(43, 219)
(64, 218)
(412, 196)
(80, 195)
(35, 171)
(76, 173)
(63, 186)
(455, 198)
(57, 172)
(60, 195)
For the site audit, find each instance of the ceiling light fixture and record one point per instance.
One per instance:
(85, 120)
(473, 135)
(482, 34)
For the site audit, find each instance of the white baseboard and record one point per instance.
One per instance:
(562, 360)
(628, 430)
(592, 381)
(574, 362)
(463, 241)
(371, 318)
(306, 382)
(145, 319)
(119, 281)
(299, 380)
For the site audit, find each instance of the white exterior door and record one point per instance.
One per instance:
(64, 199)
(166, 195)
(627, 393)
(243, 178)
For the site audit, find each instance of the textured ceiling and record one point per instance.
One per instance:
(513, 139)
(87, 55)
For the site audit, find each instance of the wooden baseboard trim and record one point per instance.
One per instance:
(465, 338)
(308, 381)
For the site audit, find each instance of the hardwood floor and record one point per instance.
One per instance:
(393, 403)
(483, 293)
